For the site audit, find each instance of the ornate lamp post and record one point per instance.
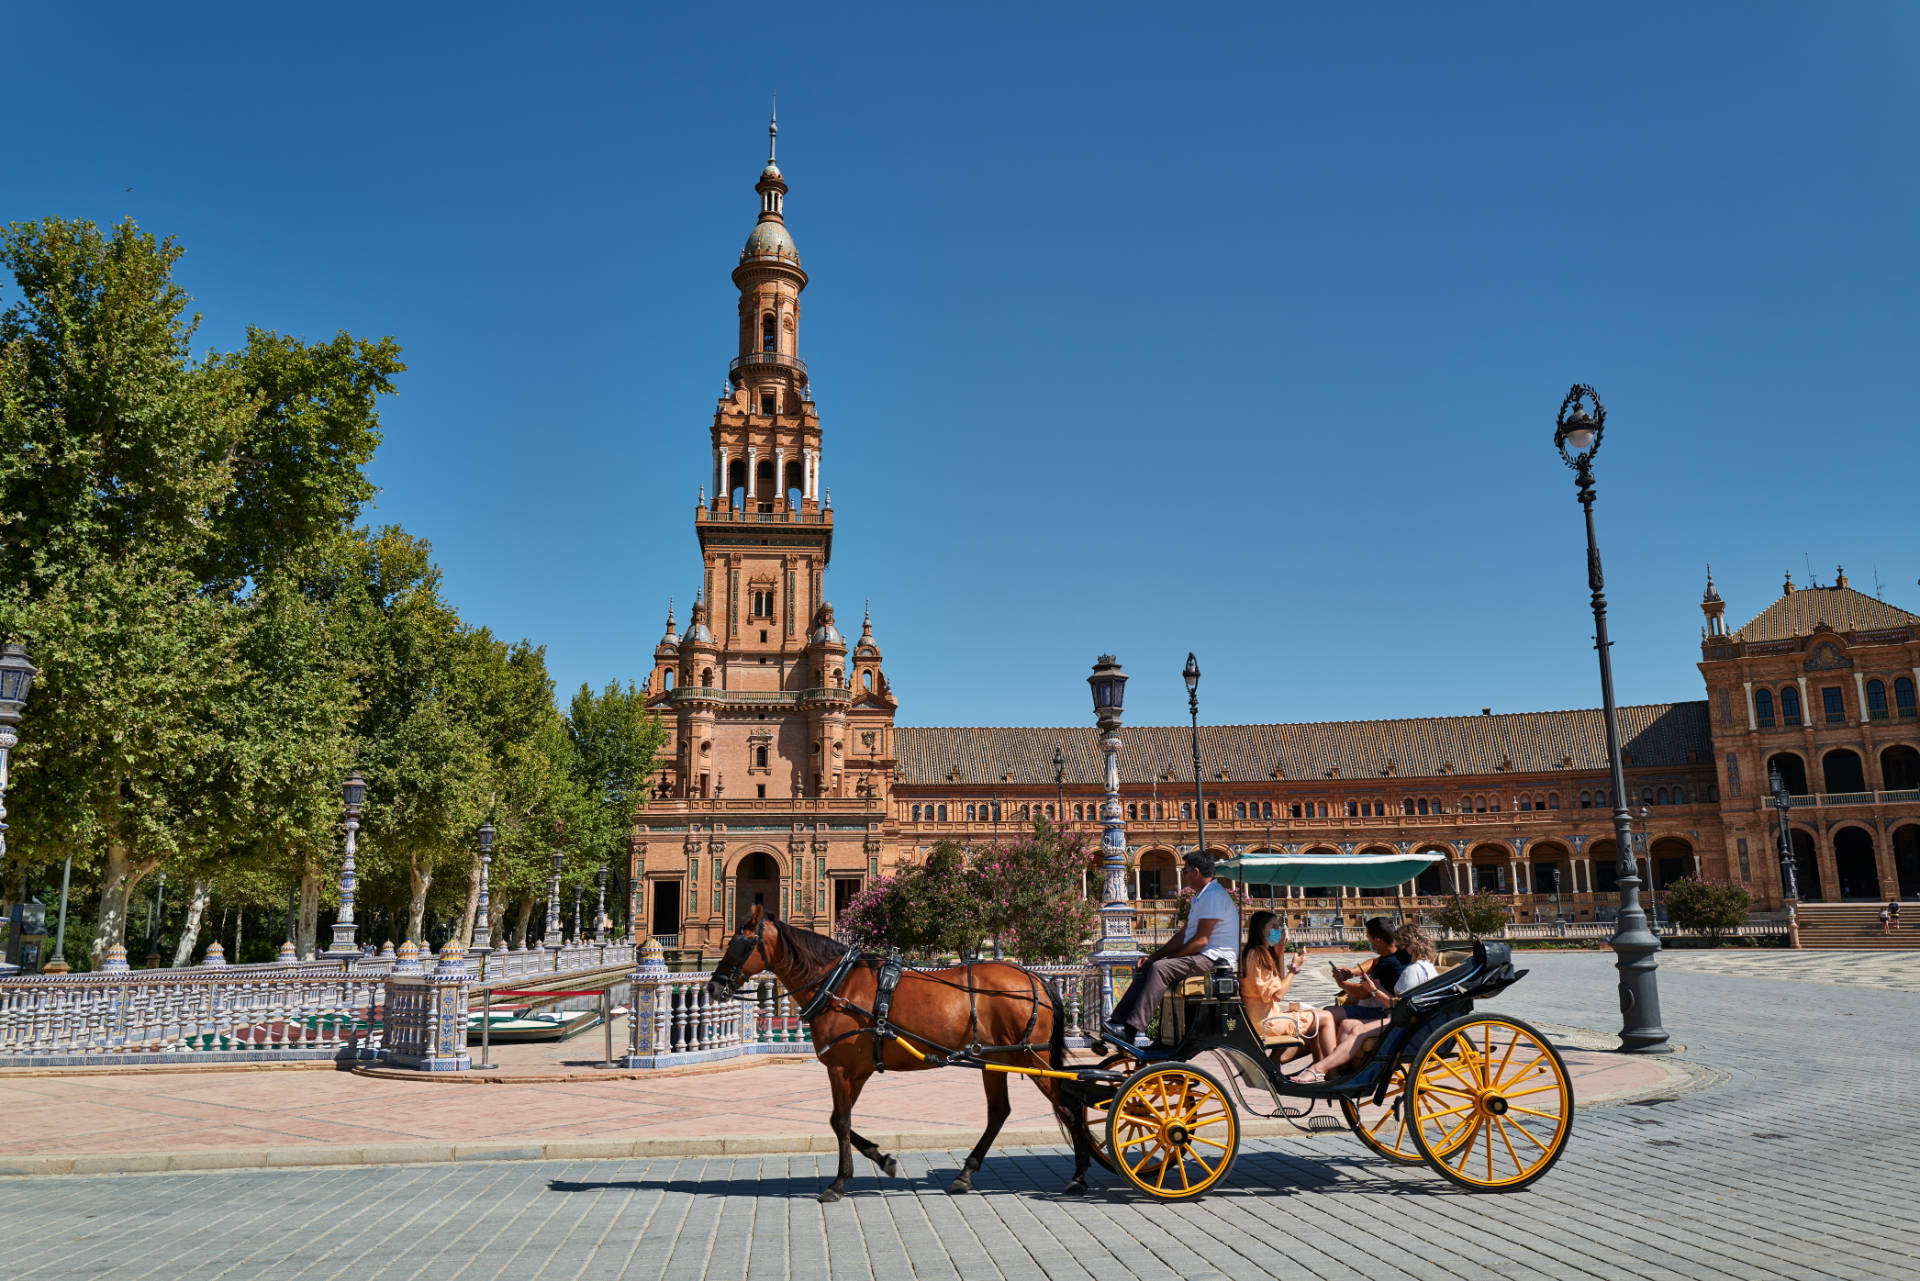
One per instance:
(1653, 882)
(16, 678)
(1577, 436)
(480, 943)
(1116, 955)
(553, 940)
(353, 792)
(1192, 675)
(600, 908)
(1060, 787)
(1789, 865)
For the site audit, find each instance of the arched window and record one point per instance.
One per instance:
(1586, 800)
(1420, 806)
(866, 679)
(1212, 810)
(1266, 809)
(1763, 708)
(970, 813)
(1553, 800)
(943, 813)
(1876, 701)
(760, 757)
(1789, 705)
(916, 813)
(1480, 805)
(1466, 805)
(1526, 802)
(769, 333)
(1133, 811)
(667, 678)
(1239, 809)
(706, 678)
(1186, 809)
(1713, 792)
(1660, 797)
(1903, 697)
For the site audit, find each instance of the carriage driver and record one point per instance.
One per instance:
(1212, 935)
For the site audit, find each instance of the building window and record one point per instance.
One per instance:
(1876, 701)
(766, 403)
(1713, 792)
(760, 758)
(1586, 800)
(1763, 708)
(1646, 796)
(1212, 810)
(1740, 848)
(1660, 797)
(970, 814)
(769, 333)
(1553, 800)
(1266, 809)
(1239, 809)
(1833, 705)
(916, 813)
(1903, 697)
(1186, 809)
(943, 813)
(1526, 802)
(1133, 811)
(1420, 806)
(1790, 706)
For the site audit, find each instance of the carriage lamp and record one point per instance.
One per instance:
(1576, 434)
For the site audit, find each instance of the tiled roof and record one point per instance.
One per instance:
(1841, 608)
(1658, 734)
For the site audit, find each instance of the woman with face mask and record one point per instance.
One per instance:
(1265, 976)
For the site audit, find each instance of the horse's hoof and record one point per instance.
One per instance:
(1075, 1187)
(959, 1185)
(829, 1195)
(891, 1168)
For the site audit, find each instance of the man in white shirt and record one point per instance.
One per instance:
(1212, 934)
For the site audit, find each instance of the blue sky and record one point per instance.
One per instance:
(1238, 331)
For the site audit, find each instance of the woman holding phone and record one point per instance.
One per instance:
(1266, 973)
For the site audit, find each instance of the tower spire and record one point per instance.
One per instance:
(773, 128)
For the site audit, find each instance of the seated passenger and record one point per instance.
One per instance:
(1211, 936)
(1265, 976)
(1414, 961)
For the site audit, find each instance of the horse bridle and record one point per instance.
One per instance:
(729, 972)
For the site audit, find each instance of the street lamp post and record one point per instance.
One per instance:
(554, 941)
(1192, 675)
(354, 793)
(16, 678)
(1116, 954)
(1653, 882)
(1789, 865)
(600, 908)
(480, 942)
(1577, 436)
(1060, 788)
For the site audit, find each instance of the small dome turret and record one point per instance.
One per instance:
(669, 646)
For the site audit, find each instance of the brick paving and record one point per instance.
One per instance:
(1793, 1166)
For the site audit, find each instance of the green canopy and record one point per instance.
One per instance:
(1363, 871)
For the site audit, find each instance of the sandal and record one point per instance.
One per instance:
(1307, 1076)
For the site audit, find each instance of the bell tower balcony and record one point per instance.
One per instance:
(765, 364)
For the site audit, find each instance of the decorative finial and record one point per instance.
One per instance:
(1839, 575)
(866, 620)
(1786, 588)
(703, 495)
(669, 613)
(773, 127)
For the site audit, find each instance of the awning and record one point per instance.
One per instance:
(1363, 871)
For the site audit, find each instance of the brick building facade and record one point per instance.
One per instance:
(786, 783)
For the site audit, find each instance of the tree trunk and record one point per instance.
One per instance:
(308, 922)
(421, 880)
(463, 929)
(520, 922)
(497, 919)
(117, 881)
(239, 929)
(190, 928)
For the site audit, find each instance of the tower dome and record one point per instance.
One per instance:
(769, 237)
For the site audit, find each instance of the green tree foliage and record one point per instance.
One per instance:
(218, 643)
(1715, 908)
(1486, 914)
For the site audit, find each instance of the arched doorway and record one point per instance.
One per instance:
(1842, 770)
(1853, 863)
(1604, 868)
(1806, 867)
(1548, 877)
(756, 881)
(1490, 870)
(1159, 875)
(1899, 768)
(1672, 860)
(1793, 772)
(1436, 878)
(1906, 860)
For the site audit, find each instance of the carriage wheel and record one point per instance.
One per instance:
(1095, 1116)
(1171, 1131)
(1387, 1128)
(1491, 1104)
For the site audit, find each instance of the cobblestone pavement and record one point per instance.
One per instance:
(1794, 1165)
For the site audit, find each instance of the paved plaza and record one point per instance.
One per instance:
(1780, 1152)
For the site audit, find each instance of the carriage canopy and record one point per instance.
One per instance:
(1364, 871)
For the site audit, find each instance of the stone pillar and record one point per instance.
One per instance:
(648, 1022)
(780, 475)
(1753, 725)
(1117, 953)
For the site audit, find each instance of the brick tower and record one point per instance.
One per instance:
(776, 724)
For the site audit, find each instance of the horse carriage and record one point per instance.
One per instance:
(1483, 1099)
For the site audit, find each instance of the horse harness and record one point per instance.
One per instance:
(889, 970)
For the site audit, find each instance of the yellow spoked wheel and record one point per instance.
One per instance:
(1385, 1127)
(1172, 1132)
(1095, 1117)
(1490, 1105)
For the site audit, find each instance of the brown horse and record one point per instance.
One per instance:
(1008, 1012)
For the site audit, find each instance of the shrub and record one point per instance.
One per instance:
(1486, 914)
(1712, 907)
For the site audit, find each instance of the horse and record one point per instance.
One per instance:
(989, 1010)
